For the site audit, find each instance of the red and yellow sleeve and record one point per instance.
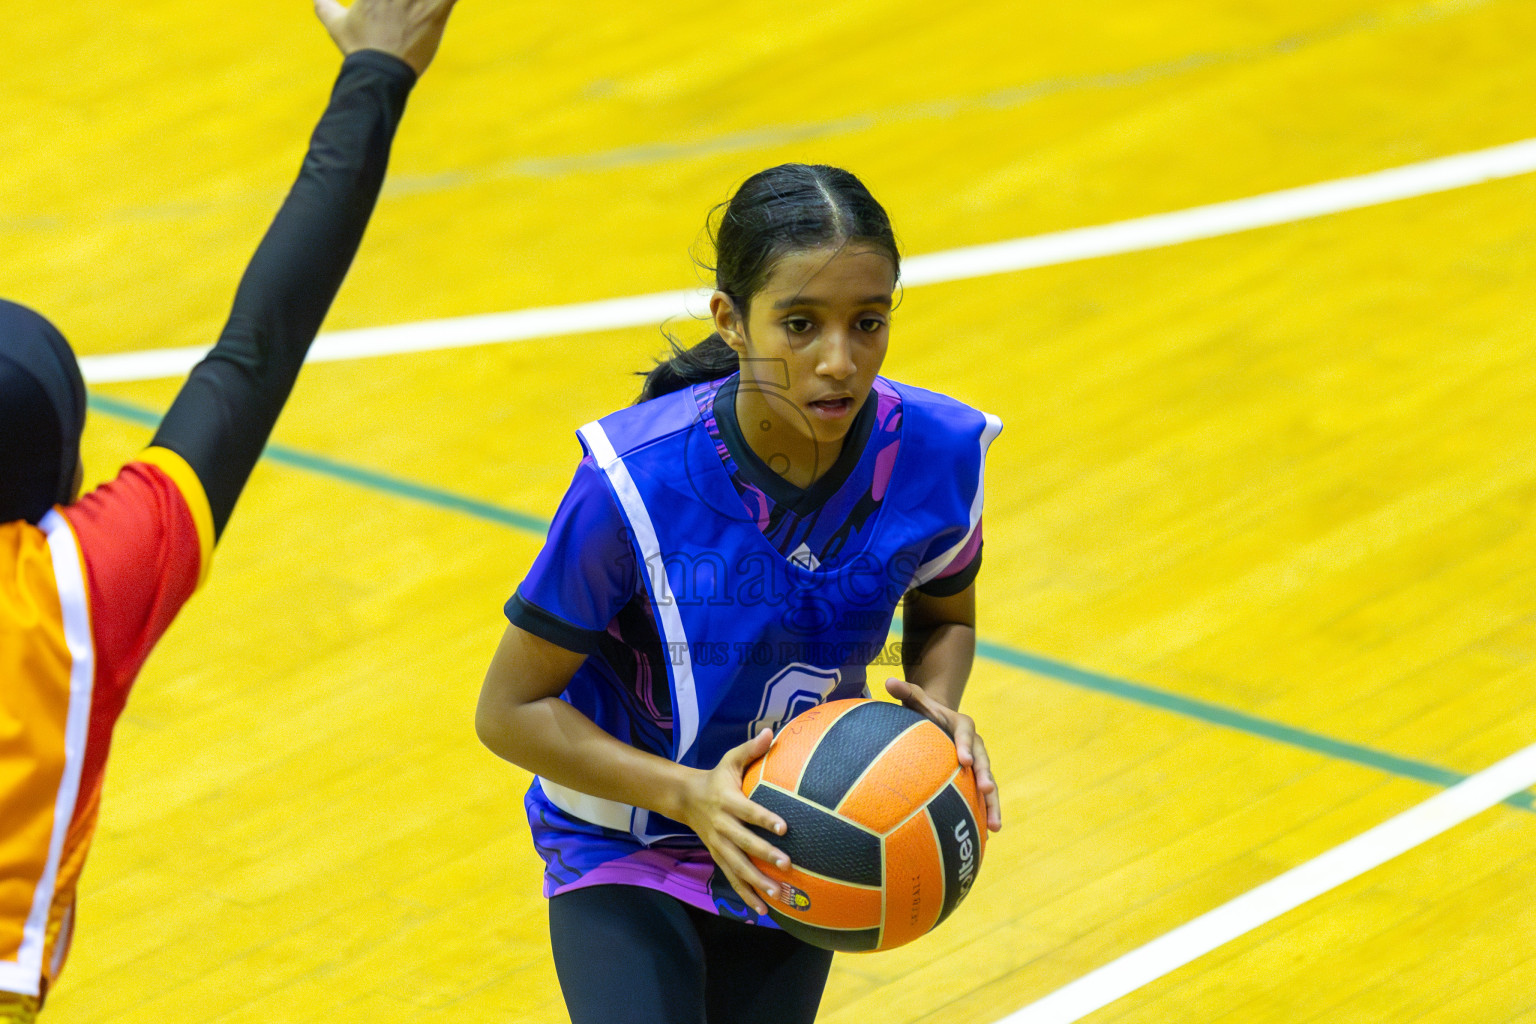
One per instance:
(145, 540)
(191, 488)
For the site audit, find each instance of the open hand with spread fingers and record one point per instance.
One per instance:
(408, 29)
(715, 808)
(968, 744)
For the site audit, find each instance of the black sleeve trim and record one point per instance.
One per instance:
(224, 413)
(546, 625)
(949, 586)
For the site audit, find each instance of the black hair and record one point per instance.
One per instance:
(788, 208)
(42, 413)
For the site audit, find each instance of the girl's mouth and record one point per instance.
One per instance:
(833, 408)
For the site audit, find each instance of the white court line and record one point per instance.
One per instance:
(425, 336)
(1439, 175)
(1371, 849)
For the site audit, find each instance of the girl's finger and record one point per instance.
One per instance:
(994, 810)
(757, 746)
(987, 786)
(748, 895)
(330, 14)
(754, 845)
(740, 756)
(913, 696)
(758, 881)
(909, 694)
(750, 884)
(754, 813)
(979, 751)
(965, 739)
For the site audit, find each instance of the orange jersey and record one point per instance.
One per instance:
(84, 597)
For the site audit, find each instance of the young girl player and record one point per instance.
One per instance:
(732, 551)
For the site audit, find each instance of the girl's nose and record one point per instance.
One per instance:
(835, 358)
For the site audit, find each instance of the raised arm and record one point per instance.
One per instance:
(222, 417)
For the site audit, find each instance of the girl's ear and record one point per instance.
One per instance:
(727, 322)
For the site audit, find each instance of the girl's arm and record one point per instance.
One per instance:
(522, 719)
(938, 647)
(938, 643)
(221, 418)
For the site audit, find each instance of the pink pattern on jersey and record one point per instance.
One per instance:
(757, 504)
(683, 874)
(885, 462)
(966, 555)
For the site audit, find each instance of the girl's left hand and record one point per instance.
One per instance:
(968, 745)
(713, 805)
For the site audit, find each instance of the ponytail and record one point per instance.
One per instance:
(709, 360)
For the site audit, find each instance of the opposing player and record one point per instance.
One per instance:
(731, 551)
(88, 585)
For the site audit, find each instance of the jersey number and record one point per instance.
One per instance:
(796, 688)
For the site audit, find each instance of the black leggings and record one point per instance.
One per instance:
(628, 955)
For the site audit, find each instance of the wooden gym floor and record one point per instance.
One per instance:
(1260, 564)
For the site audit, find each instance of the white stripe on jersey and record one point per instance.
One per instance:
(24, 974)
(931, 569)
(610, 813)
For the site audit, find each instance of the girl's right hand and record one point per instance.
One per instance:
(715, 808)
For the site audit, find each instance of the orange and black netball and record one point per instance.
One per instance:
(886, 827)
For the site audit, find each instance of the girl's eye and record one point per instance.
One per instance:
(871, 324)
(798, 325)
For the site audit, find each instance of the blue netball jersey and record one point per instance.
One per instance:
(713, 598)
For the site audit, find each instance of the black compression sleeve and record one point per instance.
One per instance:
(224, 413)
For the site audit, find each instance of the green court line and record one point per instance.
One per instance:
(1204, 711)
(400, 488)
(1215, 714)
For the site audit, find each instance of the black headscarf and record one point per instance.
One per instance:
(42, 412)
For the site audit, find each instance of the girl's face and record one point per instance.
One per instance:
(813, 342)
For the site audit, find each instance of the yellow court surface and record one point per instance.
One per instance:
(1260, 566)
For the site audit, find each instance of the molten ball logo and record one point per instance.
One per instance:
(967, 849)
